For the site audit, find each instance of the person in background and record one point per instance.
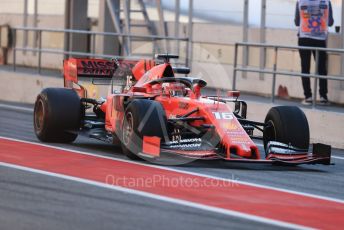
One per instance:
(313, 17)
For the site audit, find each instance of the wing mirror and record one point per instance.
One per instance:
(139, 90)
(234, 94)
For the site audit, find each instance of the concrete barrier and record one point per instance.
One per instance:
(23, 87)
(326, 127)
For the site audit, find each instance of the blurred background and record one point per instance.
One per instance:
(41, 33)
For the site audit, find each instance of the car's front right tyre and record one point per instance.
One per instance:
(142, 118)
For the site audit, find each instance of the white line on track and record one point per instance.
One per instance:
(339, 158)
(163, 198)
(20, 108)
(185, 172)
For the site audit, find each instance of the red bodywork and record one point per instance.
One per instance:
(233, 137)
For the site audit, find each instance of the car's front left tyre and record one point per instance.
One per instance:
(288, 125)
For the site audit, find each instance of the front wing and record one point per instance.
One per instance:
(276, 153)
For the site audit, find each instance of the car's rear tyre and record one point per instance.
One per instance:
(288, 125)
(142, 118)
(57, 115)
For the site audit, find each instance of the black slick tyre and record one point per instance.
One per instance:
(57, 115)
(288, 125)
(142, 118)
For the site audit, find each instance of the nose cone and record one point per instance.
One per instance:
(238, 141)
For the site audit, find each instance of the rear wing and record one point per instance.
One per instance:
(75, 68)
(78, 68)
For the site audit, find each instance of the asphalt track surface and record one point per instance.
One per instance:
(33, 201)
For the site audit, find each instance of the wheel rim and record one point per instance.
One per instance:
(128, 129)
(39, 115)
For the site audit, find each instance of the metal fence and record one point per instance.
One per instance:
(274, 71)
(38, 37)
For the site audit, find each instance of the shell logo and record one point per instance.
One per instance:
(230, 126)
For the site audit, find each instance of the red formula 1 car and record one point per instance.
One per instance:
(158, 114)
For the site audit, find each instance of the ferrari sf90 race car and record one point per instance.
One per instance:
(156, 111)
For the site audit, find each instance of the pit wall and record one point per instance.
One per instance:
(326, 127)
